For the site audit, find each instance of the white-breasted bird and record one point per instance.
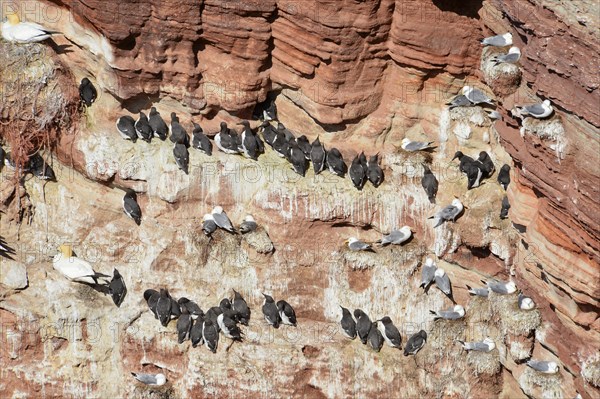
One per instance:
(76, 269)
(13, 30)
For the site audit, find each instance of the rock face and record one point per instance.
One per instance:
(361, 75)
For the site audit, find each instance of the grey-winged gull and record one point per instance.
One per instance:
(498, 40)
(542, 366)
(221, 219)
(513, 56)
(208, 224)
(396, 237)
(454, 313)
(248, 225)
(442, 281)
(538, 111)
(150, 379)
(354, 244)
(459, 101)
(428, 273)
(412, 146)
(525, 303)
(500, 287)
(476, 96)
(449, 212)
(487, 345)
(482, 292)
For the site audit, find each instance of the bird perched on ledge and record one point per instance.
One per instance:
(13, 30)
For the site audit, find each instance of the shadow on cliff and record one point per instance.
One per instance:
(469, 8)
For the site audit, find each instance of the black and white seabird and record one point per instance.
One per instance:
(182, 157)
(227, 140)
(117, 288)
(304, 146)
(537, 111)
(241, 308)
(229, 327)
(297, 158)
(200, 141)
(87, 92)
(142, 128)
(505, 208)
(208, 224)
(463, 159)
(488, 165)
(250, 145)
(196, 331)
(363, 325)
(210, 334)
(286, 313)
(158, 125)
(504, 176)
(442, 281)
(268, 132)
(487, 345)
(163, 307)
(281, 145)
(191, 306)
(126, 128)
(500, 287)
(151, 296)
(248, 225)
(289, 136)
(498, 40)
(390, 332)
(184, 325)
(150, 379)
(374, 171)
(412, 146)
(131, 207)
(415, 343)
(221, 219)
(471, 167)
(474, 174)
(476, 96)
(212, 314)
(428, 273)
(543, 366)
(335, 162)
(6, 251)
(270, 311)
(482, 292)
(429, 183)
(449, 212)
(40, 168)
(454, 313)
(375, 339)
(178, 133)
(175, 309)
(318, 156)
(358, 172)
(348, 324)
